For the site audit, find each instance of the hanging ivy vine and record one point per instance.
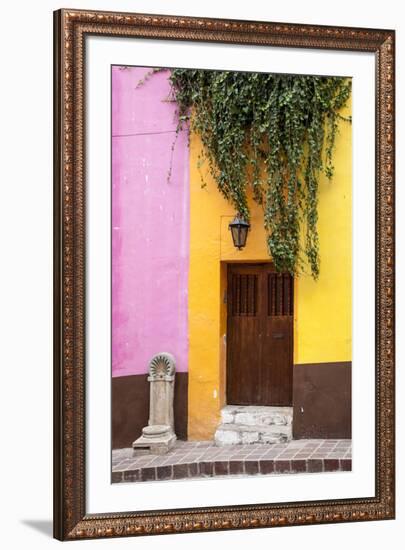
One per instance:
(271, 132)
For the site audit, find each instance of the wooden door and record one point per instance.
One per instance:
(259, 335)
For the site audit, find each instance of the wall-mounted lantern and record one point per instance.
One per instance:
(239, 230)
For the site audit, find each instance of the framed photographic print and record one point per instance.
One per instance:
(224, 274)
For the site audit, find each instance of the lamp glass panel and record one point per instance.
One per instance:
(235, 235)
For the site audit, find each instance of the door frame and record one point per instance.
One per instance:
(225, 271)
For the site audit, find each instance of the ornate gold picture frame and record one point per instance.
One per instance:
(72, 520)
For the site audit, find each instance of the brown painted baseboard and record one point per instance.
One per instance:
(130, 407)
(322, 401)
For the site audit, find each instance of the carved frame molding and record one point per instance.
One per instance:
(70, 29)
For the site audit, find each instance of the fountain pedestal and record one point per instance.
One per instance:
(158, 436)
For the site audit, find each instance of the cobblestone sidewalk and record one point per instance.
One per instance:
(194, 459)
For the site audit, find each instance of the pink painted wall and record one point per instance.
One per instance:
(150, 224)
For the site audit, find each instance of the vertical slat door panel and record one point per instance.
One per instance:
(243, 328)
(244, 356)
(276, 367)
(259, 335)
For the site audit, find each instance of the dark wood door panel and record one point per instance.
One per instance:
(259, 335)
(276, 371)
(244, 356)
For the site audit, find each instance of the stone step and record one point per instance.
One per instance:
(237, 434)
(252, 415)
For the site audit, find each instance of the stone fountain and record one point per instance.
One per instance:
(158, 436)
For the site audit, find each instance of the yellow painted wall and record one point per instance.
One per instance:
(322, 309)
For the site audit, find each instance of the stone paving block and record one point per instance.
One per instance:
(298, 466)
(221, 468)
(287, 454)
(180, 471)
(269, 457)
(148, 474)
(315, 465)
(183, 443)
(116, 477)
(331, 465)
(183, 460)
(282, 466)
(164, 472)
(345, 465)
(206, 468)
(211, 453)
(193, 469)
(195, 456)
(242, 452)
(255, 454)
(252, 467)
(117, 466)
(134, 475)
(266, 466)
(335, 454)
(236, 467)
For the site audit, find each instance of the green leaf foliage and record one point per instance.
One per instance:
(274, 133)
